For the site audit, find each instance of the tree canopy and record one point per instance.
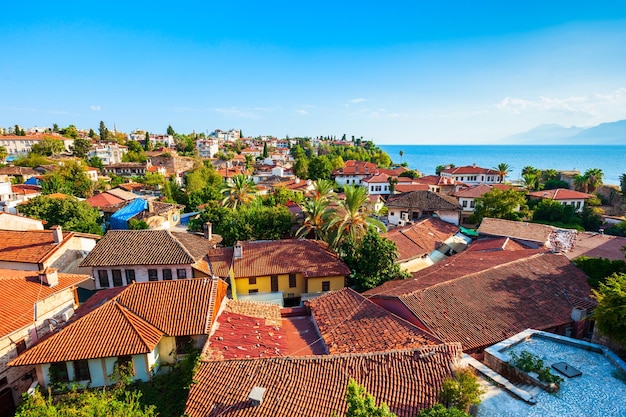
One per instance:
(69, 213)
(70, 178)
(500, 204)
(363, 404)
(610, 314)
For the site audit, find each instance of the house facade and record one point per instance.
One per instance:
(564, 196)
(109, 152)
(145, 325)
(414, 205)
(472, 175)
(33, 304)
(353, 172)
(289, 269)
(467, 197)
(122, 257)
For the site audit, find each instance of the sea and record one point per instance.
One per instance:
(425, 158)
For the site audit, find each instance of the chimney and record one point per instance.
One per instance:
(207, 229)
(238, 250)
(297, 180)
(256, 396)
(150, 206)
(57, 233)
(49, 277)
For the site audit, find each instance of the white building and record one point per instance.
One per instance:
(207, 148)
(108, 152)
(472, 175)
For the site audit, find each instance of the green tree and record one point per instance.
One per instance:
(104, 132)
(581, 183)
(442, 167)
(240, 191)
(528, 169)
(317, 217)
(48, 147)
(320, 168)
(55, 127)
(265, 151)
(134, 224)
(401, 155)
(69, 213)
(554, 184)
(622, 184)
(363, 404)
(372, 261)
(531, 181)
(599, 269)
(147, 145)
(439, 410)
(500, 204)
(610, 314)
(31, 160)
(462, 390)
(70, 178)
(95, 162)
(81, 147)
(550, 174)
(553, 211)
(170, 130)
(351, 220)
(301, 168)
(92, 134)
(503, 170)
(70, 132)
(594, 178)
(3, 154)
(411, 173)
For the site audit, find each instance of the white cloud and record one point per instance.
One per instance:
(302, 112)
(357, 100)
(95, 108)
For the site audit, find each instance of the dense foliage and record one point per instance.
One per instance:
(610, 314)
(70, 178)
(599, 269)
(462, 390)
(500, 204)
(529, 362)
(69, 213)
(372, 261)
(363, 404)
(439, 410)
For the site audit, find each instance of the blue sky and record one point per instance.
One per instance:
(394, 72)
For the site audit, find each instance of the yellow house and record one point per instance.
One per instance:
(292, 268)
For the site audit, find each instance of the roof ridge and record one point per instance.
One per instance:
(182, 245)
(126, 312)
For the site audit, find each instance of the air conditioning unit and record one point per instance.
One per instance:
(401, 222)
(405, 216)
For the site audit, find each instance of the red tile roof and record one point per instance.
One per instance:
(407, 381)
(405, 188)
(20, 290)
(424, 200)
(484, 308)
(31, 246)
(532, 232)
(436, 180)
(420, 238)
(275, 257)
(456, 266)
(133, 321)
(376, 179)
(560, 194)
(103, 199)
(474, 192)
(470, 169)
(350, 323)
(494, 244)
(353, 167)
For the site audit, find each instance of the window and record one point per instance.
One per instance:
(152, 275)
(103, 278)
(3, 381)
(252, 281)
(274, 279)
(117, 277)
(81, 370)
(253, 291)
(183, 344)
(325, 285)
(58, 372)
(167, 274)
(464, 203)
(292, 280)
(20, 346)
(130, 276)
(578, 204)
(472, 204)
(181, 273)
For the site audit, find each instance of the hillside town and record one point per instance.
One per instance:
(224, 275)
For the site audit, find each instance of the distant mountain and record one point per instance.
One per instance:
(612, 133)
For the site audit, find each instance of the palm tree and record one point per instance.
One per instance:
(401, 155)
(351, 221)
(581, 183)
(594, 178)
(550, 174)
(503, 169)
(529, 170)
(240, 191)
(3, 154)
(531, 181)
(323, 189)
(317, 218)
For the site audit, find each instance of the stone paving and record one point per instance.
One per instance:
(597, 392)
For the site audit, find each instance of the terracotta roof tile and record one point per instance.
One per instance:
(133, 321)
(31, 246)
(103, 199)
(425, 200)
(495, 244)
(262, 258)
(350, 323)
(486, 307)
(353, 167)
(470, 169)
(464, 263)
(407, 381)
(19, 290)
(147, 247)
(420, 238)
(480, 190)
(533, 232)
(407, 188)
(560, 194)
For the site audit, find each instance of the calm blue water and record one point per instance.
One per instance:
(425, 158)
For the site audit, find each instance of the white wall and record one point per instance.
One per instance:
(141, 272)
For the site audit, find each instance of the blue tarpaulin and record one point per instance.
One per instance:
(32, 181)
(119, 219)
